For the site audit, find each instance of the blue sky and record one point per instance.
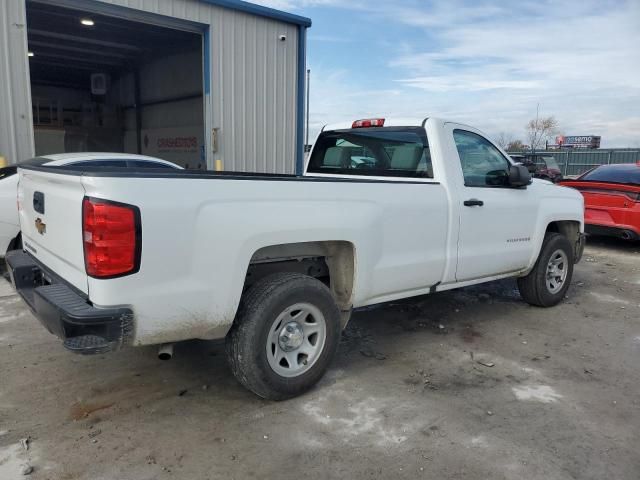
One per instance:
(484, 63)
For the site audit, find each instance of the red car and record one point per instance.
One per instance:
(611, 200)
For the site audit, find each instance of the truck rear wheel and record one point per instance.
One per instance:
(548, 282)
(285, 335)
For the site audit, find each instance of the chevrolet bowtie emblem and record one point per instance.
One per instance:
(41, 226)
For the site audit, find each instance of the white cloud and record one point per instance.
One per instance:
(296, 4)
(585, 69)
(448, 83)
(490, 64)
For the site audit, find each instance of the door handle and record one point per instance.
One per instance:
(474, 202)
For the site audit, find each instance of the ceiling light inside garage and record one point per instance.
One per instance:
(30, 54)
(87, 22)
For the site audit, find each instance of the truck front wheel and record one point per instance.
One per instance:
(285, 335)
(548, 282)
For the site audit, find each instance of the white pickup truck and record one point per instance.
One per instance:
(276, 263)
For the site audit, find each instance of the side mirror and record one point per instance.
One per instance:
(519, 176)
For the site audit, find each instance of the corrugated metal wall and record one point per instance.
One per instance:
(253, 81)
(257, 110)
(16, 124)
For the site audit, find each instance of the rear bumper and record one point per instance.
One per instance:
(609, 231)
(64, 311)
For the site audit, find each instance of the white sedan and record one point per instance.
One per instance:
(10, 238)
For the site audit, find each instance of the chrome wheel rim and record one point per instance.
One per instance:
(296, 340)
(557, 270)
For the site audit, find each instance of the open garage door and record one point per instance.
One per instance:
(112, 84)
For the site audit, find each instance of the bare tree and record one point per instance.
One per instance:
(540, 130)
(504, 139)
(516, 146)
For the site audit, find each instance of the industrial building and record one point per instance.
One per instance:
(190, 81)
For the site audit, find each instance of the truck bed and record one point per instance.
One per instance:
(116, 172)
(200, 232)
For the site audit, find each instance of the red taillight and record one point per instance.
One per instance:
(111, 237)
(369, 122)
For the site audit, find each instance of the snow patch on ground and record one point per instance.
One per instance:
(9, 313)
(310, 442)
(6, 289)
(5, 318)
(605, 297)
(11, 461)
(363, 418)
(480, 441)
(537, 393)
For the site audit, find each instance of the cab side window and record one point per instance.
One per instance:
(482, 164)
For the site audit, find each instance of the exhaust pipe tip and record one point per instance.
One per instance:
(165, 352)
(626, 235)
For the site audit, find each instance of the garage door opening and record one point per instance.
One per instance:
(109, 84)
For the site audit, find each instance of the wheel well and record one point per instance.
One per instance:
(568, 228)
(332, 262)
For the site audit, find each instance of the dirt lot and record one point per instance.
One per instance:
(412, 394)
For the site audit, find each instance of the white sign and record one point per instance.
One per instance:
(181, 145)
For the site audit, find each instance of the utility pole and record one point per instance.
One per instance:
(535, 135)
(306, 141)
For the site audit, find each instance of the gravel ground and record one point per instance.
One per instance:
(471, 384)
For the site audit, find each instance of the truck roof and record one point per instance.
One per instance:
(392, 122)
(388, 122)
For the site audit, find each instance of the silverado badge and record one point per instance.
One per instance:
(41, 226)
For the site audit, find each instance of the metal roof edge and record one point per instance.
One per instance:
(261, 11)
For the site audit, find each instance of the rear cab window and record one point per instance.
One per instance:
(373, 152)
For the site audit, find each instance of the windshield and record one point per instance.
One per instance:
(614, 173)
(551, 163)
(383, 152)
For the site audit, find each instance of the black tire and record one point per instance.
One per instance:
(247, 340)
(533, 287)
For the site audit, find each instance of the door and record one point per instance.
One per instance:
(496, 221)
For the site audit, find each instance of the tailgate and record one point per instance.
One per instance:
(51, 222)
